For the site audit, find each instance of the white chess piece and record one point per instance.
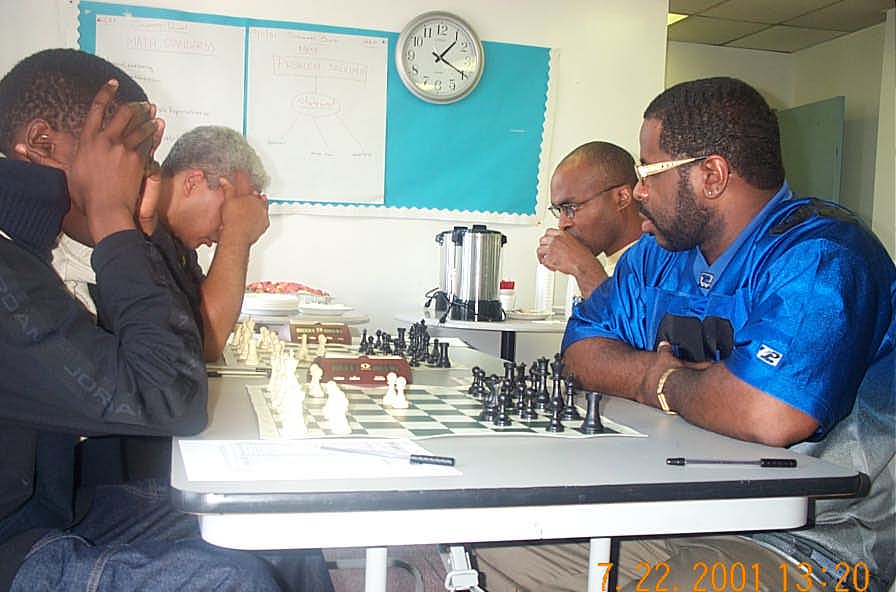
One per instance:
(321, 345)
(290, 387)
(389, 398)
(400, 401)
(303, 348)
(314, 388)
(336, 409)
(252, 353)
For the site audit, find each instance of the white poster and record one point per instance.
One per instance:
(316, 113)
(194, 72)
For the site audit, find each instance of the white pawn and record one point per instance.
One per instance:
(314, 388)
(303, 348)
(389, 398)
(264, 339)
(321, 345)
(292, 416)
(336, 409)
(400, 401)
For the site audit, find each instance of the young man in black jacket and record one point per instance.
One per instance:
(141, 372)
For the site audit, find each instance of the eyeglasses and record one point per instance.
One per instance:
(569, 209)
(645, 170)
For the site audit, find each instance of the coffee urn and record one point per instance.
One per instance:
(475, 291)
(449, 252)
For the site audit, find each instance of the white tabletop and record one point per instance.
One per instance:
(509, 471)
(511, 487)
(553, 324)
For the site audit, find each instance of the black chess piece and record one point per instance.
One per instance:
(542, 398)
(528, 413)
(433, 357)
(490, 400)
(362, 349)
(592, 423)
(520, 391)
(477, 388)
(379, 341)
(557, 388)
(554, 423)
(502, 417)
(508, 382)
(570, 413)
(444, 362)
(401, 344)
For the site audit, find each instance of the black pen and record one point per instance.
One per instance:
(218, 373)
(681, 461)
(414, 459)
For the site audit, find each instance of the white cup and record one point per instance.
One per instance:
(507, 297)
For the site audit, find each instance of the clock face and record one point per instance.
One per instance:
(439, 57)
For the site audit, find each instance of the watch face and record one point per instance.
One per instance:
(439, 58)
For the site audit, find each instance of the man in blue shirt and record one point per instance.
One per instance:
(755, 314)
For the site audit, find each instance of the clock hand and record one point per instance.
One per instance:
(447, 49)
(450, 65)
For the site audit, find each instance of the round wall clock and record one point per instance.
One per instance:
(439, 57)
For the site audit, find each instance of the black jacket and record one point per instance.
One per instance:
(65, 377)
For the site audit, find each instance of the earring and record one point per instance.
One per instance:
(43, 137)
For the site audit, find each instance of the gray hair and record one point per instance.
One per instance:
(217, 151)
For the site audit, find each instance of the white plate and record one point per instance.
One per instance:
(529, 315)
(269, 303)
(324, 310)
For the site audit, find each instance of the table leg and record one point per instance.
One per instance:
(598, 564)
(375, 570)
(508, 345)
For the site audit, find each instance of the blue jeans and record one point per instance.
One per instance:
(132, 539)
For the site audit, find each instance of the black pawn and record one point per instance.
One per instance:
(592, 424)
(502, 418)
(570, 413)
(554, 423)
(477, 389)
(528, 413)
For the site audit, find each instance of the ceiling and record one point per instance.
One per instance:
(773, 25)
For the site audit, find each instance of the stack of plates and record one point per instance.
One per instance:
(529, 315)
(261, 304)
(323, 310)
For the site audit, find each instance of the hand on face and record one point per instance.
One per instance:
(244, 216)
(106, 170)
(559, 251)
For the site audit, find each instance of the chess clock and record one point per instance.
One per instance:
(439, 57)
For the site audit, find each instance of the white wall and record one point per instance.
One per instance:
(884, 219)
(769, 72)
(853, 66)
(382, 266)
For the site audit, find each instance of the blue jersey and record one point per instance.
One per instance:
(798, 306)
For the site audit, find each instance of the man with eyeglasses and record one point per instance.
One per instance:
(753, 313)
(591, 196)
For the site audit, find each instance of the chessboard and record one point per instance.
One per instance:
(432, 411)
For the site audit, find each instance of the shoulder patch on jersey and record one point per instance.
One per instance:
(769, 355)
(810, 209)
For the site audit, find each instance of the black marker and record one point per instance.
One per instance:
(680, 461)
(237, 372)
(414, 459)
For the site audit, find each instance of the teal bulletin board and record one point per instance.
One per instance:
(481, 154)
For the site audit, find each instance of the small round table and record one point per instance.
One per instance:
(508, 328)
